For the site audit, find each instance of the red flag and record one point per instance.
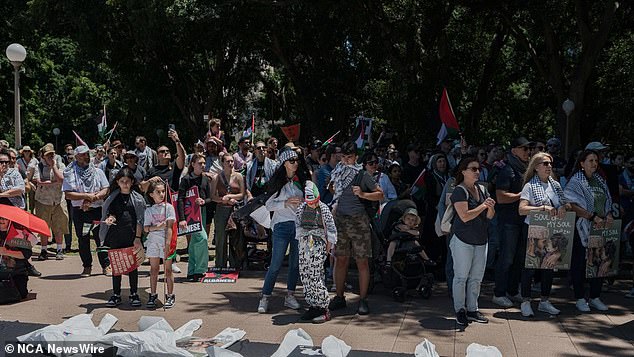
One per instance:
(450, 125)
(174, 238)
(80, 141)
(291, 132)
(419, 187)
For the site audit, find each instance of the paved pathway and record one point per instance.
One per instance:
(392, 327)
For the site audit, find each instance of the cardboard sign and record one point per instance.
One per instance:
(220, 275)
(549, 243)
(125, 260)
(193, 215)
(602, 253)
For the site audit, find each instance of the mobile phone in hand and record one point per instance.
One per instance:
(172, 127)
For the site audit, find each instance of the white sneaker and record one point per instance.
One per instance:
(596, 303)
(175, 269)
(630, 295)
(291, 302)
(516, 298)
(502, 301)
(263, 307)
(527, 310)
(547, 307)
(582, 305)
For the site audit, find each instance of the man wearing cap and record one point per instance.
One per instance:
(313, 159)
(86, 187)
(352, 184)
(508, 185)
(147, 157)
(243, 156)
(131, 160)
(50, 204)
(11, 183)
(610, 174)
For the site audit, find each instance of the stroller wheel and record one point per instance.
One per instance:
(425, 292)
(399, 294)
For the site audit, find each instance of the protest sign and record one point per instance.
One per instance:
(220, 275)
(602, 253)
(125, 260)
(549, 243)
(193, 216)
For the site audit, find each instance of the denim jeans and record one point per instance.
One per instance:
(449, 264)
(469, 262)
(283, 236)
(510, 261)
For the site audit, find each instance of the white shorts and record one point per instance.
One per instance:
(155, 247)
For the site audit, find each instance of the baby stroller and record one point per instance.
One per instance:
(407, 271)
(251, 236)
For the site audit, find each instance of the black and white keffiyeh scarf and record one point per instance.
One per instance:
(539, 193)
(578, 192)
(342, 177)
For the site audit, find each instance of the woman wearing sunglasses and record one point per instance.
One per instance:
(287, 186)
(541, 192)
(473, 209)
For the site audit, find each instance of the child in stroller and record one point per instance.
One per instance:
(405, 262)
(404, 235)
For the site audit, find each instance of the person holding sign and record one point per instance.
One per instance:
(121, 227)
(588, 194)
(541, 192)
(198, 249)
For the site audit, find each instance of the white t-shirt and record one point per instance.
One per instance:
(527, 194)
(157, 214)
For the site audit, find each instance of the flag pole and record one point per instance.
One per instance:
(167, 192)
(252, 127)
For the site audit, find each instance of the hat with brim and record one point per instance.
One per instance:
(26, 148)
(47, 149)
(596, 146)
(520, 142)
(130, 155)
(412, 212)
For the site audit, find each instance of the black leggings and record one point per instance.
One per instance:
(578, 271)
(133, 276)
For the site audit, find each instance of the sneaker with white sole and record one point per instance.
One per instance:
(502, 301)
(263, 307)
(175, 269)
(517, 298)
(582, 305)
(291, 302)
(597, 304)
(630, 295)
(527, 310)
(547, 307)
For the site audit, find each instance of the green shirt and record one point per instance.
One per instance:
(599, 197)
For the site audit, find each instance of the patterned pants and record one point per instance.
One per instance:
(312, 255)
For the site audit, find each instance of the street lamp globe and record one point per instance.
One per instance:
(16, 53)
(56, 131)
(568, 106)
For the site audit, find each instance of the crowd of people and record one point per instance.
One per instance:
(322, 199)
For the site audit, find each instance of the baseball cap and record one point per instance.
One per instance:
(596, 146)
(553, 141)
(316, 144)
(81, 149)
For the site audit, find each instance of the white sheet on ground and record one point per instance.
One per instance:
(426, 349)
(334, 347)
(478, 350)
(293, 338)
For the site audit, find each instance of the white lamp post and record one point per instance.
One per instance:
(56, 132)
(16, 55)
(568, 106)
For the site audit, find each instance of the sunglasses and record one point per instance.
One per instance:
(546, 163)
(371, 162)
(260, 147)
(292, 161)
(4, 162)
(474, 169)
(164, 151)
(228, 161)
(539, 148)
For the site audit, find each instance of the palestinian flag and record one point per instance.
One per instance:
(419, 188)
(174, 238)
(359, 138)
(450, 127)
(79, 140)
(330, 139)
(291, 132)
